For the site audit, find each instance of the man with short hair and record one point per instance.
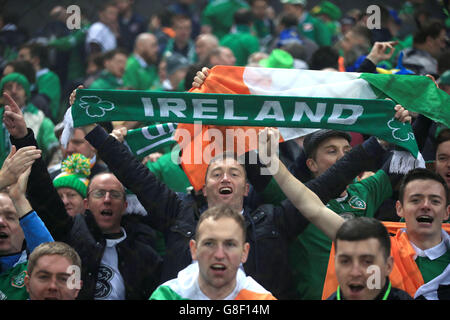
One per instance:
(421, 251)
(363, 251)
(47, 82)
(362, 197)
(114, 63)
(50, 268)
(218, 250)
(181, 43)
(269, 228)
(428, 43)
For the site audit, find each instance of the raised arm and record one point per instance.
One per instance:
(306, 201)
(40, 191)
(161, 203)
(34, 229)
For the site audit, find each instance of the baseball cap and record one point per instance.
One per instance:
(313, 140)
(176, 61)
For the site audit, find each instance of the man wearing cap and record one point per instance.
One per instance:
(177, 66)
(17, 87)
(308, 25)
(330, 14)
(241, 41)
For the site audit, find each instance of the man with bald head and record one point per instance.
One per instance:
(221, 56)
(141, 71)
(204, 44)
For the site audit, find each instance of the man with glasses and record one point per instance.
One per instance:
(116, 251)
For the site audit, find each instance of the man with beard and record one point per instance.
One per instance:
(141, 71)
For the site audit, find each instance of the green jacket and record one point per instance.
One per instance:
(309, 253)
(12, 283)
(74, 42)
(219, 15)
(169, 173)
(242, 43)
(314, 29)
(106, 80)
(140, 76)
(48, 83)
(191, 54)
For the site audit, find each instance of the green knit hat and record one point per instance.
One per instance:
(278, 59)
(19, 78)
(75, 171)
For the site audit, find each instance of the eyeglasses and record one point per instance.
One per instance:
(100, 193)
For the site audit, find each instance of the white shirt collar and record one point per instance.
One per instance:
(436, 251)
(41, 72)
(141, 61)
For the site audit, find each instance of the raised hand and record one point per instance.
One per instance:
(380, 51)
(74, 94)
(16, 163)
(13, 118)
(119, 134)
(268, 146)
(200, 77)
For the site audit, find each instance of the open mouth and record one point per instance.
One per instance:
(356, 288)
(107, 213)
(225, 190)
(218, 267)
(425, 219)
(3, 235)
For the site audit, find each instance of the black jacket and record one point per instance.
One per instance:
(269, 228)
(394, 294)
(139, 264)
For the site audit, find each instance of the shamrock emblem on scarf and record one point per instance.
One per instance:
(400, 131)
(95, 106)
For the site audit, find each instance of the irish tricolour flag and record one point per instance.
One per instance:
(235, 102)
(185, 287)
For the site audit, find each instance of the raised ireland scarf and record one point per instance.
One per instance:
(259, 97)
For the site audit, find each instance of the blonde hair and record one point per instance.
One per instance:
(53, 248)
